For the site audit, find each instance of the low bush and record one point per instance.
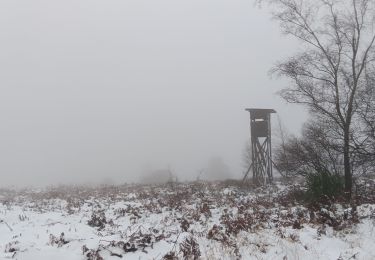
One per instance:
(324, 184)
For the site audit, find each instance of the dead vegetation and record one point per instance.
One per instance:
(188, 210)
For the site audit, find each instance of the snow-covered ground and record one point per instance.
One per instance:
(193, 220)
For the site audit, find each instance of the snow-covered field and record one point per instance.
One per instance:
(192, 220)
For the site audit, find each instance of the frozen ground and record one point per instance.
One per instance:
(193, 220)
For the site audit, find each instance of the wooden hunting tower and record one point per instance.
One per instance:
(261, 154)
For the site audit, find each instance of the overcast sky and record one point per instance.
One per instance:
(96, 90)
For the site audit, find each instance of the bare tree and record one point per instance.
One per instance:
(281, 149)
(338, 52)
(364, 140)
(315, 152)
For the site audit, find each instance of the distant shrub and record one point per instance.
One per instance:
(324, 184)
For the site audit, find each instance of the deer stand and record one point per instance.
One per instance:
(261, 152)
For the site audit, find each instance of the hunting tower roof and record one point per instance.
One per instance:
(260, 113)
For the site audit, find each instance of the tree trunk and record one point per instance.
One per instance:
(347, 166)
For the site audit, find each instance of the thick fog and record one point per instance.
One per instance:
(107, 91)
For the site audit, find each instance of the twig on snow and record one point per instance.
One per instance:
(2, 221)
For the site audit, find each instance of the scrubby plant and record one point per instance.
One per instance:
(324, 184)
(59, 241)
(98, 219)
(190, 248)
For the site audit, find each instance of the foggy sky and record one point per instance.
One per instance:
(102, 90)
